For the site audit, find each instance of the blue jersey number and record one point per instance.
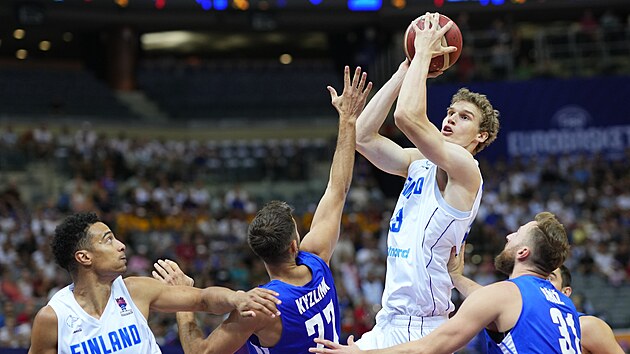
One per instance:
(566, 345)
(410, 188)
(396, 222)
(316, 323)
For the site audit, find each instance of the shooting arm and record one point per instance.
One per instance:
(379, 150)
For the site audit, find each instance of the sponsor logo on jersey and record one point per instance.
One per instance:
(398, 252)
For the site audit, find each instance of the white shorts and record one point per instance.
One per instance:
(397, 329)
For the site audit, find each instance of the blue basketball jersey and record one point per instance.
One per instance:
(307, 311)
(548, 322)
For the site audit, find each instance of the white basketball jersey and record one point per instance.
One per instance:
(121, 329)
(422, 231)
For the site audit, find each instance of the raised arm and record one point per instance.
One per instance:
(322, 238)
(378, 149)
(411, 110)
(597, 337)
(44, 334)
(463, 284)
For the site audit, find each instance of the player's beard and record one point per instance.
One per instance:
(504, 262)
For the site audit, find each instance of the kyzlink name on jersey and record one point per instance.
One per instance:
(312, 298)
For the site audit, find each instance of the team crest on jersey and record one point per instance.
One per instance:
(123, 306)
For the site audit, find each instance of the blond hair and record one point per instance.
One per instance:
(489, 116)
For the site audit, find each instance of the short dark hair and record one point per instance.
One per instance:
(271, 232)
(551, 245)
(565, 273)
(71, 236)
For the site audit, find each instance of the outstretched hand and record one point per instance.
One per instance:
(257, 300)
(352, 100)
(323, 346)
(429, 38)
(168, 272)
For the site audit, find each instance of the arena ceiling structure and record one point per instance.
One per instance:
(55, 28)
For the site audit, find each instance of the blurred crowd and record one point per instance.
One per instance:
(167, 199)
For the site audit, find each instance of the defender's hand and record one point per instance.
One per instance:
(352, 101)
(455, 263)
(257, 299)
(168, 272)
(336, 348)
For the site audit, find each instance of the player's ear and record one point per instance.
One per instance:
(83, 257)
(294, 247)
(567, 290)
(523, 252)
(482, 136)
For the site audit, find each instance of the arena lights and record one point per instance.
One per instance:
(241, 4)
(399, 4)
(365, 5)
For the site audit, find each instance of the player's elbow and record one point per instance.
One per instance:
(204, 347)
(364, 138)
(403, 119)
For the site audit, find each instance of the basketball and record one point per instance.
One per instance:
(452, 38)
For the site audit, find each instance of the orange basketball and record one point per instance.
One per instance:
(452, 38)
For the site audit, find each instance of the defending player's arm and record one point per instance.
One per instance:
(325, 227)
(227, 338)
(379, 150)
(455, 266)
(44, 332)
(411, 110)
(598, 337)
(481, 309)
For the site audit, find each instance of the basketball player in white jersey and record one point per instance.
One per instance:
(440, 197)
(100, 312)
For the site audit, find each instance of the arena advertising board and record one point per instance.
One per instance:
(544, 116)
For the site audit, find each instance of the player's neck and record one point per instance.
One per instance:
(525, 269)
(92, 295)
(92, 292)
(289, 273)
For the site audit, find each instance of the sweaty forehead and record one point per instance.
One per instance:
(468, 107)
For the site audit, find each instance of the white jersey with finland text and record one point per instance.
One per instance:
(122, 328)
(422, 231)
